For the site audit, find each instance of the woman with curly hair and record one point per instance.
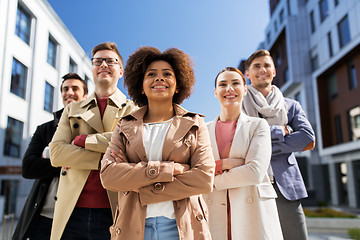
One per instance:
(159, 159)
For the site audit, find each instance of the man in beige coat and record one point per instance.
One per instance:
(82, 206)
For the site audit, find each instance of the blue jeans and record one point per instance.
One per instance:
(159, 228)
(88, 224)
(41, 229)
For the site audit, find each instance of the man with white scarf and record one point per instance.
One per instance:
(290, 132)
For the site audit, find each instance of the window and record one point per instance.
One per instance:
(298, 97)
(336, 2)
(275, 26)
(72, 66)
(23, 25)
(314, 62)
(49, 97)
(354, 120)
(13, 137)
(268, 37)
(344, 31)
(51, 53)
(352, 74)
(286, 75)
(332, 87)
(281, 16)
(288, 7)
(324, 10)
(18, 79)
(86, 79)
(338, 129)
(312, 22)
(330, 44)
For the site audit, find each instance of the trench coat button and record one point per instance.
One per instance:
(118, 231)
(209, 201)
(152, 172)
(35, 205)
(249, 200)
(63, 173)
(199, 217)
(76, 125)
(123, 105)
(159, 187)
(55, 198)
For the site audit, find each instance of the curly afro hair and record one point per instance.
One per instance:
(139, 61)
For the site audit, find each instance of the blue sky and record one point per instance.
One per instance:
(216, 33)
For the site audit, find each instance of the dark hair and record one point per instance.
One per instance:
(139, 61)
(258, 53)
(108, 46)
(74, 76)
(231, 69)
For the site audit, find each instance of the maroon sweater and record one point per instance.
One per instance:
(93, 194)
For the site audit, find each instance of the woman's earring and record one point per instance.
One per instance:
(142, 91)
(177, 90)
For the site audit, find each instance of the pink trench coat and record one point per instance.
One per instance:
(140, 182)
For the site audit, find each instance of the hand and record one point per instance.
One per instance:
(230, 163)
(118, 156)
(179, 168)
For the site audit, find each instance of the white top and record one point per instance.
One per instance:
(154, 136)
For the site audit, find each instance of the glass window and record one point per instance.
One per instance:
(18, 79)
(354, 119)
(352, 75)
(23, 25)
(336, 2)
(330, 44)
(288, 7)
(268, 36)
(13, 137)
(51, 53)
(324, 10)
(332, 87)
(344, 31)
(312, 22)
(86, 79)
(49, 97)
(338, 129)
(281, 16)
(72, 66)
(314, 62)
(275, 26)
(286, 75)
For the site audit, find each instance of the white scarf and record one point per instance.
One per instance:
(272, 108)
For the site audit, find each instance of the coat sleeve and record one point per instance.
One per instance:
(125, 176)
(257, 161)
(198, 179)
(302, 136)
(34, 166)
(65, 154)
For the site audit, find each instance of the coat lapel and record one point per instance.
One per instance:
(211, 127)
(240, 141)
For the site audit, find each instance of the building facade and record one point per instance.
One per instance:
(315, 45)
(36, 50)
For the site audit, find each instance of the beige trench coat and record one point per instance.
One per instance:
(140, 182)
(254, 214)
(82, 118)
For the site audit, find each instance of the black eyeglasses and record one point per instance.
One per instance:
(109, 61)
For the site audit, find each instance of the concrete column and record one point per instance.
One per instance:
(351, 178)
(335, 200)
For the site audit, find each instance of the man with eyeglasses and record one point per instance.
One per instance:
(83, 206)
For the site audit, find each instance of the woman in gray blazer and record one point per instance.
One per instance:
(242, 204)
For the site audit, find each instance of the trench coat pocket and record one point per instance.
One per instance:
(266, 191)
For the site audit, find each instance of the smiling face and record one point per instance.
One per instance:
(230, 89)
(159, 82)
(104, 74)
(72, 90)
(261, 72)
